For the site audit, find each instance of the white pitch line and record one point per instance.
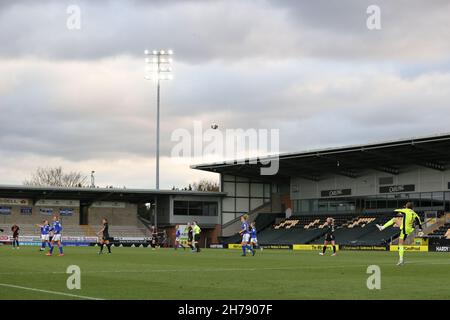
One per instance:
(188, 270)
(48, 291)
(230, 269)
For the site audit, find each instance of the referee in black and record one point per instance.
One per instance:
(190, 232)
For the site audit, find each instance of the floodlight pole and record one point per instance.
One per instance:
(162, 68)
(157, 144)
(161, 63)
(157, 130)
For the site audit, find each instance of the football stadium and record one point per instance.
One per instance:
(206, 159)
(358, 186)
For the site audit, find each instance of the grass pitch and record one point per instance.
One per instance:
(140, 273)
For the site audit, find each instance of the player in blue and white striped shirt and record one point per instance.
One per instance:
(245, 232)
(45, 231)
(253, 238)
(57, 230)
(178, 238)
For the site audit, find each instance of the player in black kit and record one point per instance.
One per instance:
(154, 241)
(190, 232)
(329, 236)
(104, 232)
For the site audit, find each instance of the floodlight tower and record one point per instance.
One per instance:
(158, 67)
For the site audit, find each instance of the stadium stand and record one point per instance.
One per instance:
(262, 222)
(441, 232)
(128, 231)
(309, 222)
(124, 222)
(362, 231)
(351, 230)
(287, 224)
(81, 230)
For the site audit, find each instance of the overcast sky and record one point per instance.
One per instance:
(312, 69)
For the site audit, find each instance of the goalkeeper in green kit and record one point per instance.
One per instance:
(407, 219)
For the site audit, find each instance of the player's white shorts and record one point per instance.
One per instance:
(177, 239)
(245, 237)
(44, 237)
(56, 237)
(254, 240)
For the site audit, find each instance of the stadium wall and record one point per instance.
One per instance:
(211, 220)
(164, 209)
(25, 212)
(423, 179)
(244, 195)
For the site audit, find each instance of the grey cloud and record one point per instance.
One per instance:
(93, 111)
(196, 29)
(228, 30)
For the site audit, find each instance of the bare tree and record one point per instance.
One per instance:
(206, 185)
(55, 177)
